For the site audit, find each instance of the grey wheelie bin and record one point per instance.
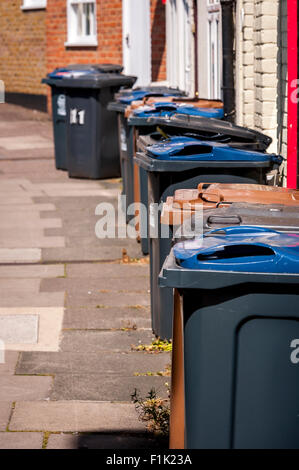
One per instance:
(91, 130)
(201, 128)
(59, 108)
(126, 134)
(183, 162)
(237, 308)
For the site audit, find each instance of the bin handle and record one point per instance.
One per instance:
(220, 218)
(242, 230)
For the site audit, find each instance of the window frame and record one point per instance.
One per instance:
(79, 41)
(34, 4)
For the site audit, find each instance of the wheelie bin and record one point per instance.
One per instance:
(91, 130)
(183, 162)
(59, 108)
(126, 134)
(199, 127)
(235, 381)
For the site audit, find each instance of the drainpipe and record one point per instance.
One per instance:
(293, 108)
(228, 35)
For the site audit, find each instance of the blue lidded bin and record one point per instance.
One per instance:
(183, 163)
(127, 134)
(235, 380)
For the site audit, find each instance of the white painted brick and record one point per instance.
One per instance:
(248, 21)
(248, 96)
(248, 8)
(265, 122)
(248, 58)
(248, 33)
(248, 46)
(266, 22)
(267, 8)
(248, 108)
(248, 71)
(265, 108)
(266, 66)
(266, 94)
(266, 51)
(248, 120)
(248, 84)
(265, 80)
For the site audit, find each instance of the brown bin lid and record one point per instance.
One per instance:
(197, 103)
(210, 195)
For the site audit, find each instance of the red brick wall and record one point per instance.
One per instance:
(158, 32)
(109, 31)
(22, 48)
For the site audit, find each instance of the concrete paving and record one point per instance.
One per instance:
(72, 306)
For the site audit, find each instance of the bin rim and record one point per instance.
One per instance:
(92, 81)
(175, 276)
(153, 165)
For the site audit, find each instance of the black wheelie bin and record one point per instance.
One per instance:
(236, 351)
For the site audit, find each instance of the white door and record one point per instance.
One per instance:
(209, 48)
(179, 45)
(137, 40)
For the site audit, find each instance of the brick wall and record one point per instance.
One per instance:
(158, 33)
(22, 48)
(109, 32)
(264, 70)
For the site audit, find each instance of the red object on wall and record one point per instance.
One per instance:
(293, 84)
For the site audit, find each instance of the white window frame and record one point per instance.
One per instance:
(72, 38)
(209, 58)
(34, 4)
(180, 45)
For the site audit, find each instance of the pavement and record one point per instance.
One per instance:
(72, 306)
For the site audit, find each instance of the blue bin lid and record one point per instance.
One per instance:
(126, 97)
(241, 249)
(188, 148)
(167, 108)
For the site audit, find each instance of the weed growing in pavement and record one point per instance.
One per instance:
(155, 411)
(161, 373)
(157, 346)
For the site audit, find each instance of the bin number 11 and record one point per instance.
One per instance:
(77, 117)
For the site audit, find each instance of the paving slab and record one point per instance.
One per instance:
(19, 329)
(103, 270)
(50, 324)
(30, 272)
(21, 440)
(93, 387)
(21, 299)
(106, 441)
(83, 286)
(95, 341)
(75, 416)
(9, 364)
(107, 299)
(107, 318)
(110, 363)
(20, 255)
(5, 411)
(98, 251)
(23, 388)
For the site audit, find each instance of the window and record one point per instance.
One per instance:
(81, 17)
(33, 4)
